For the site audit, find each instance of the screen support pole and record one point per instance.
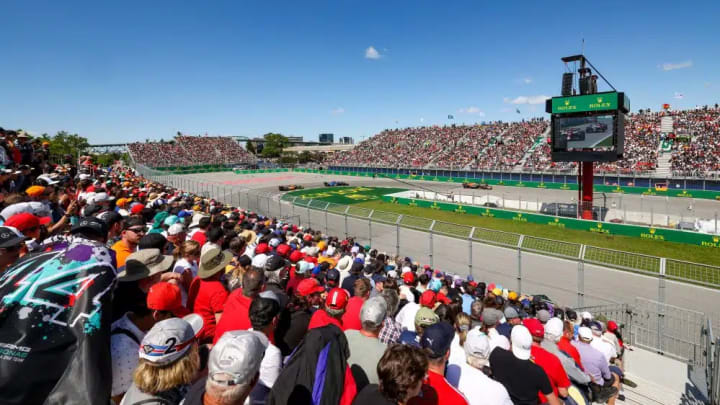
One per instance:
(585, 189)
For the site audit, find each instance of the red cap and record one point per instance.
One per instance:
(296, 256)
(310, 259)
(307, 237)
(428, 299)
(136, 209)
(283, 250)
(535, 327)
(612, 326)
(294, 228)
(442, 298)
(309, 286)
(262, 248)
(427, 267)
(24, 221)
(408, 277)
(165, 296)
(344, 243)
(491, 287)
(337, 299)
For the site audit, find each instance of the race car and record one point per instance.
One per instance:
(335, 183)
(290, 187)
(573, 134)
(481, 186)
(597, 127)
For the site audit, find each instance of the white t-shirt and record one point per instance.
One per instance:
(457, 352)
(179, 268)
(480, 389)
(497, 340)
(270, 368)
(124, 352)
(406, 316)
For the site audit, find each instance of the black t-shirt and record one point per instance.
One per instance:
(349, 283)
(370, 395)
(522, 378)
(291, 330)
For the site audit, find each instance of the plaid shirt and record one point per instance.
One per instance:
(390, 332)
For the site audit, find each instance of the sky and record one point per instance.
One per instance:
(128, 71)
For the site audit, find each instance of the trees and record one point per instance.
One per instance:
(274, 145)
(63, 143)
(250, 147)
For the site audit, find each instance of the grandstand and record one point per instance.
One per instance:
(187, 150)
(693, 149)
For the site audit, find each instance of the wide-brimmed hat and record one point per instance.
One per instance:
(196, 220)
(143, 264)
(213, 261)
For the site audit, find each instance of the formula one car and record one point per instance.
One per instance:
(574, 134)
(597, 127)
(481, 186)
(335, 183)
(290, 187)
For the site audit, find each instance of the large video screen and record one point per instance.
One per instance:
(576, 134)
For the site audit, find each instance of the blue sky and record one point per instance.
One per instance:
(127, 71)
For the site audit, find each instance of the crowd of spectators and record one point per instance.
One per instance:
(119, 290)
(696, 142)
(187, 150)
(494, 145)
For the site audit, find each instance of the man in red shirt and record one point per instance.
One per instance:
(207, 293)
(201, 223)
(565, 343)
(546, 360)
(361, 292)
(237, 306)
(335, 304)
(436, 390)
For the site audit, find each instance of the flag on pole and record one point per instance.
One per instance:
(517, 110)
(450, 117)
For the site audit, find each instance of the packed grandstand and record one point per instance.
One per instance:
(692, 148)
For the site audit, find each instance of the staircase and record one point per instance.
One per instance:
(539, 141)
(663, 170)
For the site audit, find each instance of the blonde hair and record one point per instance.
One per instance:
(462, 326)
(151, 378)
(187, 248)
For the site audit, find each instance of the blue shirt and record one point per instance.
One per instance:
(467, 303)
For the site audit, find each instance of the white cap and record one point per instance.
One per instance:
(585, 333)
(260, 260)
(477, 344)
(586, 315)
(406, 269)
(167, 341)
(175, 229)
(274, 242)
(521, 342)
(554, 329)
(236, 357)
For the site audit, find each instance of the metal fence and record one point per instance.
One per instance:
(571, 274)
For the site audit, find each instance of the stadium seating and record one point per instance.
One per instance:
(190, 151)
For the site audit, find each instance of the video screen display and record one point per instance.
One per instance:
(575, 134)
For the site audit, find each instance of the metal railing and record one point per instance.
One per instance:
(572, 274)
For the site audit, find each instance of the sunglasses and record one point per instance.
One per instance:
(137, 230)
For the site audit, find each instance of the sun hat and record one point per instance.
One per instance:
(213, 261)
(143, 264)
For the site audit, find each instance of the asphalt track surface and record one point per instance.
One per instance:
(554, 277)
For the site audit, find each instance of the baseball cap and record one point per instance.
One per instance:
(332, 275)
(309, 286)
(337, 298)
(477, 344)
(543, 315)
(596, 327)
(612, 326)
(521, 341)
(283, 250)
(428, 299)
(535, 327)
(167, 341)
(585, 333)
(275, 263)
(510, 313)
(296, 256)
(236, 357)
(10, 237)
(24, 221)
(491, 316)
(164, 296)
(586, 315)
(373, 311)
(175, 229)
(425, 317)
(554, 327)
(408, 277)
(436, 339)
(92, 225)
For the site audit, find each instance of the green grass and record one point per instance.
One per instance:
(417, 217)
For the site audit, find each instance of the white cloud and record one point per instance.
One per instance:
(472, 110)
(372, 53)
(338, 111)
(527, 99)
(674, 66)
(422, 119)
(678, 96)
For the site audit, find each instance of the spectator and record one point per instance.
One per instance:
(604, 385)
(143, 269)
(12, 242)
(400, 371)
(471, 377)
(237, 305)
(365, 347)
(301, 306)
(549, 363)
(186, 264)
(233, 370)
(169, 362)
(424, 318)
(436, 341)
(462, 327)
(522, 378)
(263, 313)
(553, 334)
(207, 293)
(351, 317)
(133, 230)
(490, 319)
(198, 228)
(332, 313)
(390, 332)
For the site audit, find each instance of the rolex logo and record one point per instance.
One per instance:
(567, 102)
(599, 99)
(716, 239)
(652, 231)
